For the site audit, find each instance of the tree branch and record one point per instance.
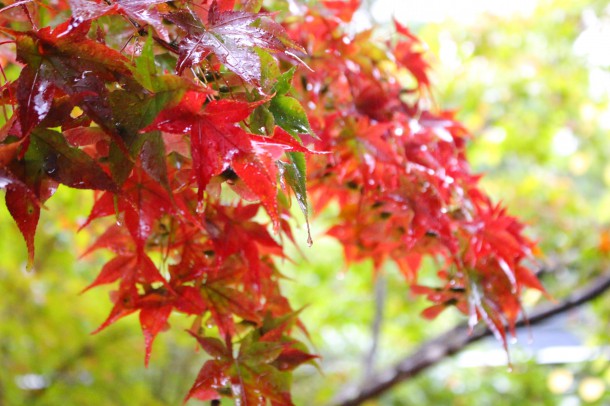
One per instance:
(455, 340)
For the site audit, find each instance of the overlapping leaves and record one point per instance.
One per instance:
(232, 37)
(401, 177)
(160, 149)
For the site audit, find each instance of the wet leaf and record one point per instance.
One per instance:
(143, 11)
(153, 320)
(290, 115)
(294, 173)
(68, 165)
(284, 82)
(152, 156)
(35, 96)
(231, 36)
(260, 175)
(210, 383)
(26, 213)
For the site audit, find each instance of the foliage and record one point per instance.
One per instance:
(543, 147)
(506, 77)
(192, 120)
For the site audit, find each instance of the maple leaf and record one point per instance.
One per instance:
(138, 10)
(344, 9)
(65, 60)
(294, 174)
(155, 306)
(250, 376)
(31, 180)
(280, 142)
(76, 65)
(216, 140)
(112, 271)
(34, 96)
(212, 378)
(259, 173)
(187, 300)
(233, 232)
(290, 115)
(115, 239)
(224, 300)
(277, 329)
(22, 193)
(153, 158)
(154, 309)
(124, 304)
(153, 319)
(292, 357)
(143, 201)
(217, 143)
(210, 383)
(255, 375)
(25, 210)
(409, 54)
(232, 36)
(67, 165)
(130, 268)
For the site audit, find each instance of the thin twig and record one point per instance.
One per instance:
(380, 293)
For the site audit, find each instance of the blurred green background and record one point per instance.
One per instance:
(533, 86)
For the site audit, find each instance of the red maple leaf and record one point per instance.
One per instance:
(139, 10)
(409, 53)
(218, 143)
(232, 37)
(250, 376)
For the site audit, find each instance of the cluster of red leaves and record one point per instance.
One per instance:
(188, 103)
(399, 172)
(159, 148)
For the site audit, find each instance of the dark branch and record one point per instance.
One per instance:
(454, 341)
